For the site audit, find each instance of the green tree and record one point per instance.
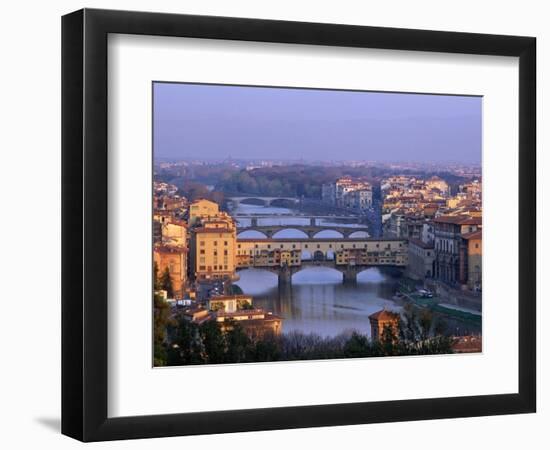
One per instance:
(238, 344)
(156, 280)
(166, 283)
(357, 346)
(185, 344)
(213, 342)
(161, 319)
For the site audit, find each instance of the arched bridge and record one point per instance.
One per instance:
(347, 255)
(267, 201)
(309, 230)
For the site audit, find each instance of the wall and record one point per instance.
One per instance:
(30, 152)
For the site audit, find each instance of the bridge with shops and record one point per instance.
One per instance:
(350, 256)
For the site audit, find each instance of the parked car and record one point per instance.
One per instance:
(425, 293)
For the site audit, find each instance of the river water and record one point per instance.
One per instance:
(317, 301)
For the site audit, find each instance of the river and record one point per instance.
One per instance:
(317, 301)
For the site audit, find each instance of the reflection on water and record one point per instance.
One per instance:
(318, 301)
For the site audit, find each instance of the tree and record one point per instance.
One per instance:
(161, 319)
(156, 280)
(185, 344)
(166, 283)
(358, 346)
(213, 342)
(238, 344)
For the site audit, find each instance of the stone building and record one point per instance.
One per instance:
(473, 258)
(450, 257)
(175, 259)
(421, 259)
(381, 320)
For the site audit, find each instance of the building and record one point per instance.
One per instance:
(348, 193)
(173, 258)
(213, 250)
(230, 303)
(173, 232)
(421, 259)
(450, 259)
(255, 322)
(202, 209)
(381, 320)
(197, 315)
(473, 257)
(252, 253)
(467, 344)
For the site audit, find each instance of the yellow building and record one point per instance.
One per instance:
(473, 261)
(174, 232)
(202, 209)
(213, 250)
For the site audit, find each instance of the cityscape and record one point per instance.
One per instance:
(313, 254)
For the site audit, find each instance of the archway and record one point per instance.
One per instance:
(328, 234)
(251, 234)
(289, 233)
(318, 255)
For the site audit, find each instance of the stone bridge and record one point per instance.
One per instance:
(267, 201)
(347, 255)
(309, 230)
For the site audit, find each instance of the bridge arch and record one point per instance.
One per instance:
(290, 232)
(323, 234)
(254, 201)
(318, 255)
(358, 234)
(252, 234)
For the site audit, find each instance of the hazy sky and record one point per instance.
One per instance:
(201, 121)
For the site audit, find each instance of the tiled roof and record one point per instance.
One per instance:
(384, 315)
(473, 235)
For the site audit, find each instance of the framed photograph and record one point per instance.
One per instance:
(272, 224)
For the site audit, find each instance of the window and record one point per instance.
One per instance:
(202, 251)
(201, 243)
(225, 252)
(225, 243)
(202, 267)
(216, 243)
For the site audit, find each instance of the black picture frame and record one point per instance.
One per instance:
(84, 224)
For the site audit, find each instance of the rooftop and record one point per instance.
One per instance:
(384, 315)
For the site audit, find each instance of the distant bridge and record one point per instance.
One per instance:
(310, 230)
(267, 201)
(347, 255)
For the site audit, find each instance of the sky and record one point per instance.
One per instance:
(194, 121)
